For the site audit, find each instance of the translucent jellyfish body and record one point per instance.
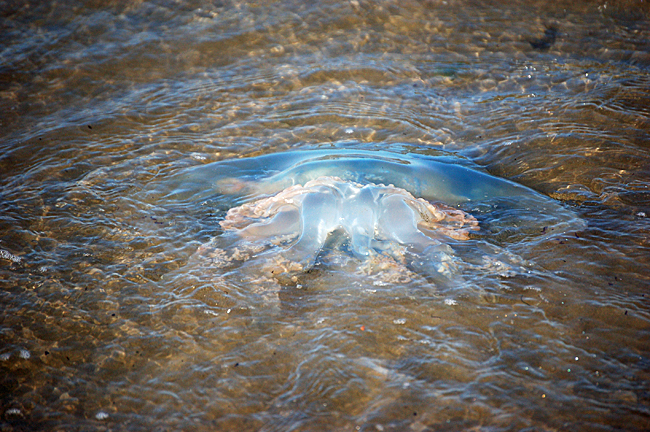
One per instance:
(391, 213)
(375, 219)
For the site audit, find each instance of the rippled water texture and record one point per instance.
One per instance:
(109, 321)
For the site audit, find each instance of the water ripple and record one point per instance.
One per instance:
(110, 320)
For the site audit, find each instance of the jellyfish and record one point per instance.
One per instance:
(378, 221)
(392, 212)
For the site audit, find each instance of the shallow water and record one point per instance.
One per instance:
(107, 321)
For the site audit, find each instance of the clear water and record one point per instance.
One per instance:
(106, 322)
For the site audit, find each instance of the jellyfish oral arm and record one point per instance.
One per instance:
(319, 216)
(399, 222)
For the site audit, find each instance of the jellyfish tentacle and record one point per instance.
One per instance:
(399, 222)
(286, 221)
(359, 215)
(438, 265)
(319, 216)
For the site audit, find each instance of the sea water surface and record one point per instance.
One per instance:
(106, 321)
